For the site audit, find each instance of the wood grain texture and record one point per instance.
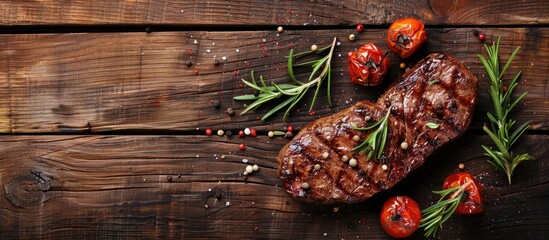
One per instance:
(137, 81)
(56, 187)
(279, 12)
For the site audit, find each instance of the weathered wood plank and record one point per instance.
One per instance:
(92, 82)
(280, 12)
(158, 186)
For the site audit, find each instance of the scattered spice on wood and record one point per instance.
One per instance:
(220, 132)
(359, 27)
(216, 104)
(352, 37)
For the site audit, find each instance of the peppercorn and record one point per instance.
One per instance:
(402, 65)
(208, 132)
(481, 36)
(359, 28)
(241, 133)
(216, 62)
(475, 32)
(384, 167)
(461, 166)
(220, 132)
(230, 111)
(317, 167)
(356, 138)
(271, 134)
(247, 131)
(255, 168)
(148, 30)
(242, 146)
(253, 132)
(189, 63)
(196, 72)
(345, 158)
(351, 37)
(290, 128)
(505, 88)
(367, 118)
(280, 29)
(314, 47)
(216, 104)
(353, 162)
(404, 145)
(228, 133)
(249, 169)
(305, 185)
(325, 155)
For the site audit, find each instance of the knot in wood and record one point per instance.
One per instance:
(28, 189)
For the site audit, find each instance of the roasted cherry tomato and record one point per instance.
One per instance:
(405, 36)
(368, 65)
(400, 216)
(471, 202)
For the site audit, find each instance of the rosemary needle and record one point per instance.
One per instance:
(500, 124)
(375, 142)
(321, 70)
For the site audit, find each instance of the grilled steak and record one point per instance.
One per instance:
(437, 90)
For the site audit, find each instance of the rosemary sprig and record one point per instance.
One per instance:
(435, 215)
(375, 142)
(500, 124)
(293, 92)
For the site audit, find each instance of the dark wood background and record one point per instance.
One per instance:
(103, 123)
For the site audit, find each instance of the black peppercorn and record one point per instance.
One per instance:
(148, 30)
(189, 64)
(475, 32)
(216, 104)
(216, 62)
(228, 133)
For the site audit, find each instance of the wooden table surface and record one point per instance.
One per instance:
(103, 123)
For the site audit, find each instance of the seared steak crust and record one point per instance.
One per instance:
(437, 90)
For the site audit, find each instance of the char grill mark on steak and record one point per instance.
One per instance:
(413, 103)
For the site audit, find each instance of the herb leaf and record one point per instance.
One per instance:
(435, 215)
(433, 81)
(292, 92)
(375, 142)
(500, 125)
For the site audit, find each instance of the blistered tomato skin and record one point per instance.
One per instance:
(368, 65)
(472, 202)
(405, 36)
(400, 216)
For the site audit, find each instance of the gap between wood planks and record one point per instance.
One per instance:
(48, 29)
